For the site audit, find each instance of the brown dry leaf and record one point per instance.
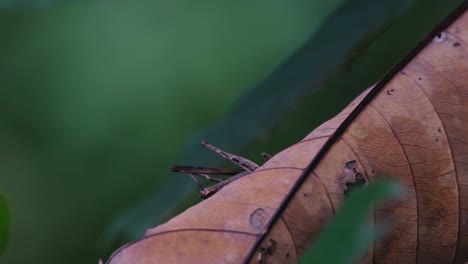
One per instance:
(413, 125)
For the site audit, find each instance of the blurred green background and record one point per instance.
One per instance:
(99, 98)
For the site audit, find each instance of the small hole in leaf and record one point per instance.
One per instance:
(440, 37)
(456, 44)
(272, 248)
(351, 164)
(359, 177)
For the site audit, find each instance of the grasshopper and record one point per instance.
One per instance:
(246, 167)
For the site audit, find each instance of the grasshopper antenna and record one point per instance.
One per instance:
(244, 163)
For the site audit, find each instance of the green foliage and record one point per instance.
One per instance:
(349, 234)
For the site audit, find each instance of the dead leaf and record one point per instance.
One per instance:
(413, 126)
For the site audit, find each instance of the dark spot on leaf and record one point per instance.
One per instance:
(372, 171)
(456, 44)
(351, 164)
(359, 182)
(287, 255)
(437, 139)
(439, 129)
(390, 92)
(272, 248)
(359, 177)
(419, 78)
